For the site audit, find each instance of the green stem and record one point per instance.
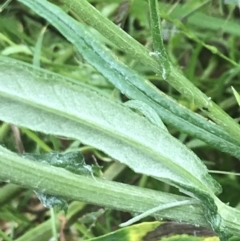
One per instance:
(53, 224)
(129, 45)
(4, 236)
(57, 181)
(4, 5)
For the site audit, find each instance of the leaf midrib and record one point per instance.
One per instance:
(112, 133)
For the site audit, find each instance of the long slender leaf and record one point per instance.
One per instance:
(138, 52)
(51, 104)
(59, 107)
(158, 47)
(131, 84)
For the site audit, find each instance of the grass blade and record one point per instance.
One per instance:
(158, 47)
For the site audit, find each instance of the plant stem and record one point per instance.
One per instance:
(57, 181)
(4, 236)
(53, 225)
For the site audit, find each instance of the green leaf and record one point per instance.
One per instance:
(140, 53)
(57, 106)
(37, 49)
(190, 34)
(235, 2)
(158, 47)
(237, 96)
(130, 83)
(50, 201)
(71, 161)
(147, 111)
(49, 103)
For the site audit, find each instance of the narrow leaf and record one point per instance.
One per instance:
(140, 53)
(237, 96)
(130, 83)
(49, 103)
(147, 111)
(71, 161)
(159, 50)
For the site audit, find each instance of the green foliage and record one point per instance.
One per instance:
(237, 96)
(98, 122)
(158, 47)
(111, 107)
